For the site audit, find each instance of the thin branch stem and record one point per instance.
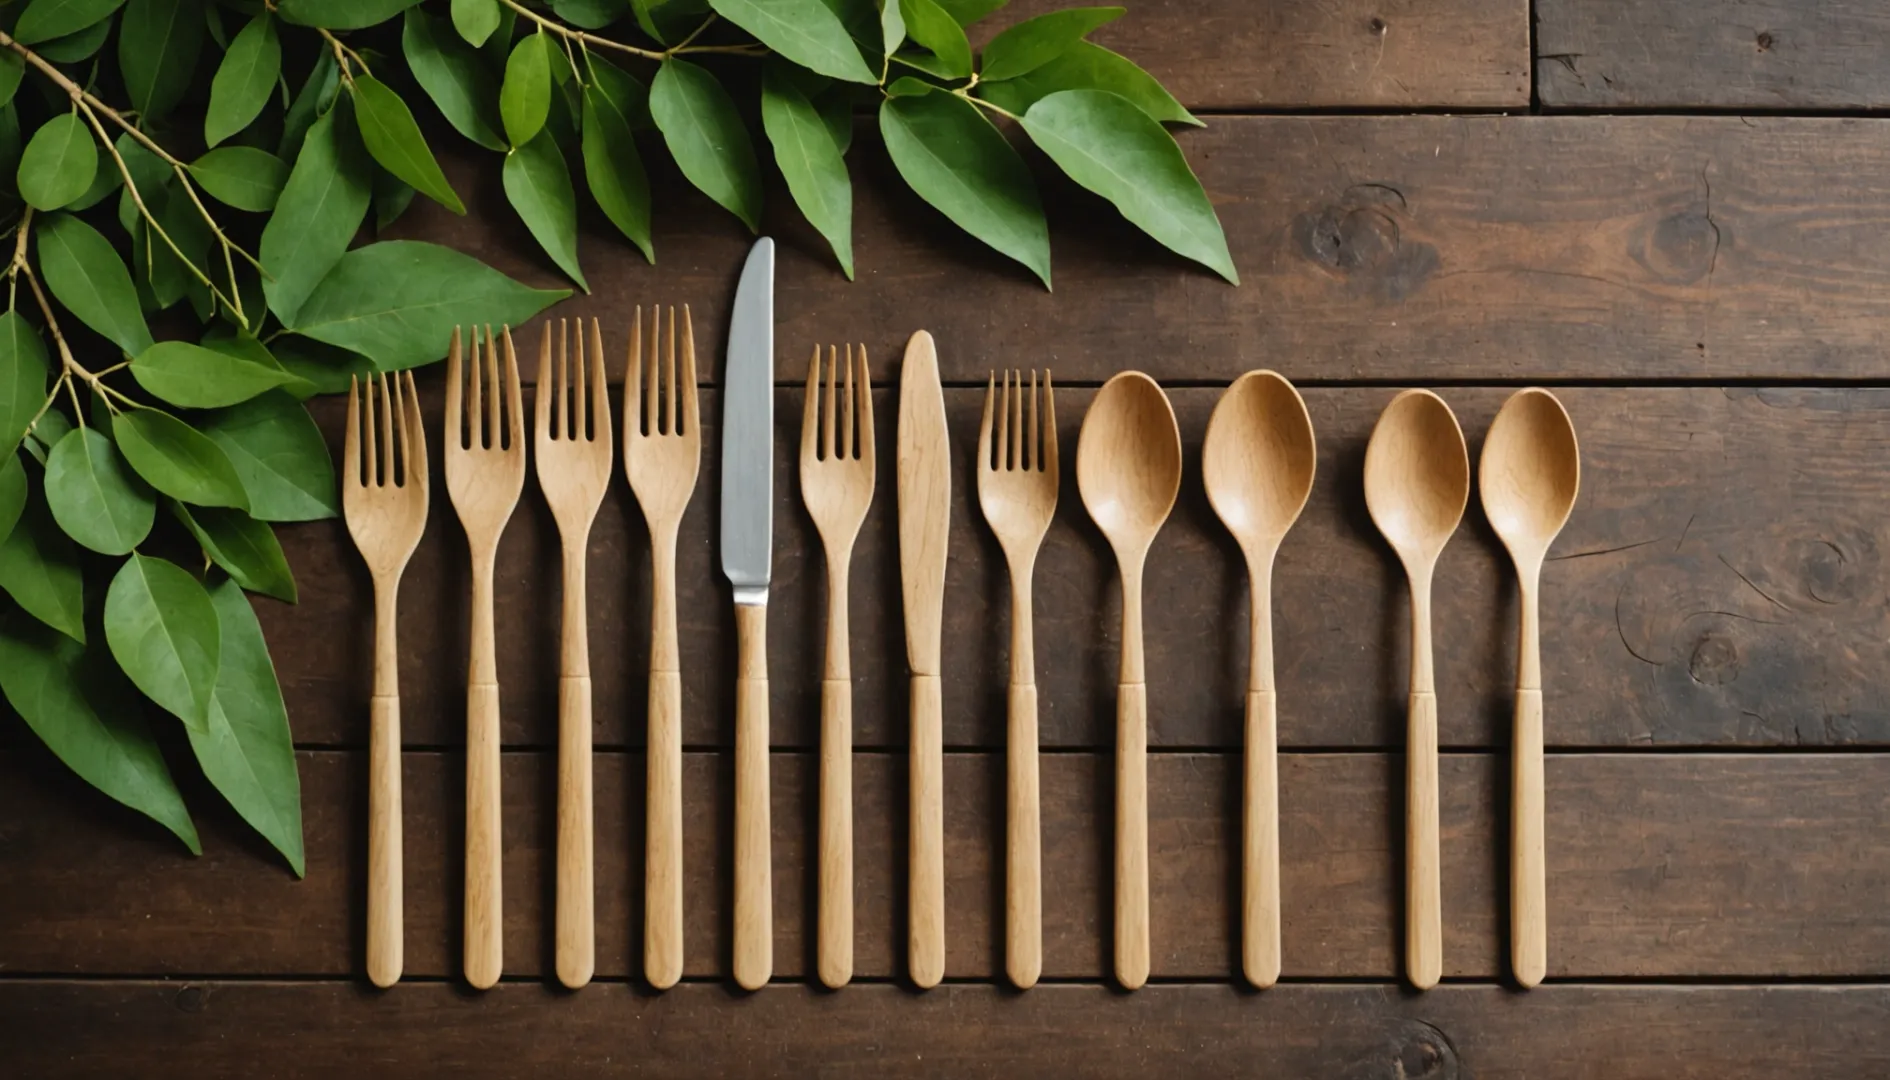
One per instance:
(579, 35)
(697, 32)
(998, 109)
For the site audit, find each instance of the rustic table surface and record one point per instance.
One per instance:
(1676, 214)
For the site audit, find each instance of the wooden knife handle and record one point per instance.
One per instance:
(1528, 896)
(384, 937)
(835, 935)
(926, 883)
(754, 885)
(1424, 929)
(1132, 835)
(663, 841)
(1023, 863)
(1260, 878)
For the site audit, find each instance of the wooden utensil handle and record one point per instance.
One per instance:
(485, 869)
(1023, 864)
(385, 948)
(1260, 878)
(835, 938)
(1132, 835)
(1424, 930)
(926, 881)
(663, 857)
(1528, 889)
(576, 925)
(754, 875)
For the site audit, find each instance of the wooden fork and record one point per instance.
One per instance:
(574, 453)
(1017, 488)
(386, 509)
(485, 470)
(661, 455)
(837, 484)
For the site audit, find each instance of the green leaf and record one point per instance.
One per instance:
(73, 48)
(611, 165)
(12, 494)
(1108, 145)
(317, 94)
(39, 569)
(22, 379)
(12, 69)
(245, 548)
(474, 19)
(806, 32)
(9, 148)
(707, 138)
(396, 302)
(525, 96)
(321, 206)
(104, 182)
(590, 14)
(325, 369)
(59, 162)
(1087, 66)
(1035, 42)
(907, 86)
(392, 136)
(281, 457)
(81, 709)
(892, 26)
(539, 187)
(929, 25)
(244, 78)
(162, 630)
(954, 159)
(88, 277)
(967, 12)
(453, 75)
(46, 434)
(669, 20)
(177, 459)
(94, 497)
(392, 196)
(242, 176)
(194, 377)
(816, 174)
(246, 751)
(341, 14)
(43, 20)
(158, 43)
(244, 346)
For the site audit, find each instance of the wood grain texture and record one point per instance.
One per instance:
(59, 1028)
(1638, 885)
(1714, 587)
(1737, 54)
(1233, 55)
(1440, 247)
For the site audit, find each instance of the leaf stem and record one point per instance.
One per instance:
(998, 109)
(584, 38)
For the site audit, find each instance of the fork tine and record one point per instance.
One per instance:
(599, 388)
(454, 436)
(984, 425)
(863, 415)
(542, 396)
(670, 427)
(652, 384)
(847, 411)
(1007, 433)
(563, 374)
(827, 403)
(387, 434)
(689, 372)
(633, 382)
(1049, 425)
(579, 424)
(515, 405)
(1030, 440)
(1017, 422)
(810, 409)
(495, 390)
(413, 436)
(370, 457)
(475, 402)
(351, 439)
(402, 459)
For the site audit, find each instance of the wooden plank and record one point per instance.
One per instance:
(1659, 866)
(55, 1028)
(1652, 54)
(1716, 586)
(1235, 55)
(1409, 247)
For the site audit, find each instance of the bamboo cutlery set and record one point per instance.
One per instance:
(1258, 462)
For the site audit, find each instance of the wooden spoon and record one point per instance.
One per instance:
(1531, 471)
(1128, 469)
(1417, 480)
(1257, 465)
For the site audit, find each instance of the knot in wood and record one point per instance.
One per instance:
(1683, 246)
(1831, 574)
(1350, 239)
(189, 999)
(1360, 239)
(1715, 661)
(1422, 1051)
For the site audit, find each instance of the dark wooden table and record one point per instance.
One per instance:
(1678, 214)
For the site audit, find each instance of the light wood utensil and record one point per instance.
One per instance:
(573, 448)
(837, 485)
(1257, 464)
(485, 471)
(1531, 471)
(1018, 475)
(1417, 480)
(925, 491)
(662, 449)
(384, 496)
(1128, 469)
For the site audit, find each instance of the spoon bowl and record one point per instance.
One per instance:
(1258, 458)
(1531, 471)
(1417, 475)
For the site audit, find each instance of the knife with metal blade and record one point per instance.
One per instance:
(747, 541)
(925, 492)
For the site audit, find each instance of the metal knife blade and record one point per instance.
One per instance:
(925, 493)
(748, 431)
